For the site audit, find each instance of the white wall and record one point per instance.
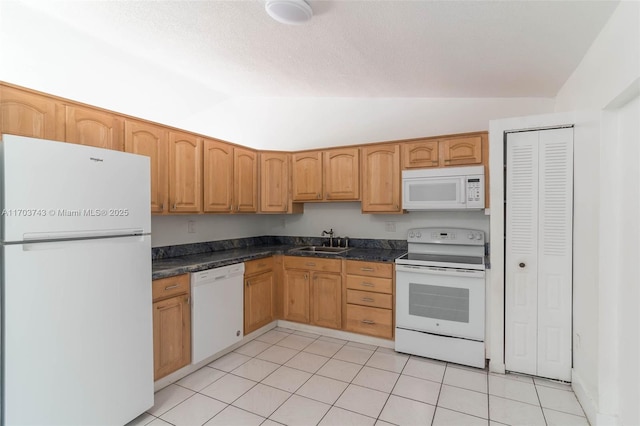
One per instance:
(611, 64)
(307, 123)
(173, 230)
(347, 220)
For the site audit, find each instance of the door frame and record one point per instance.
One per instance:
(586, 144)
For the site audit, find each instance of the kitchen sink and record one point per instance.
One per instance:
(320, 249)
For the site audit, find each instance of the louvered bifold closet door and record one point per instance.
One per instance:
(521, 254)
(555, 253)
(538, 256)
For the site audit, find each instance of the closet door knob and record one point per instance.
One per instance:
(521, 264)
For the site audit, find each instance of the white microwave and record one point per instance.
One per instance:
(447, 188)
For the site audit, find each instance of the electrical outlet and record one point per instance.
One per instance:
(390, 226)
(191, 226)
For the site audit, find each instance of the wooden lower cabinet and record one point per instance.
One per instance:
(171, 325)
(369, 305)
(296, 295)
(259, 294)
(326, 300)
(313, 291)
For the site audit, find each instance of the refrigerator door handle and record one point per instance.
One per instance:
(80, 235)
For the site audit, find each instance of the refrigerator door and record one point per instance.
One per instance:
(56, 190)
(78, 339)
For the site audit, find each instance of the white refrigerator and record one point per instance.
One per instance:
(76, 310)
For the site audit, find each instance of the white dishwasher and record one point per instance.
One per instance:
(216, 310)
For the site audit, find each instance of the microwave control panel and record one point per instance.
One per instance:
(475, 191)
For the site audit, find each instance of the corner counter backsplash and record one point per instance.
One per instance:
(268, 240)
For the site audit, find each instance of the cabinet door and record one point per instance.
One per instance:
(185, 173)
(259, 292)
(91, 127)
(307, 176)
(274, 182)
(296, 295)
(420, 154)
(326, 300)
(245, 180)
(381, 179)
(171, 335)
(150, 140)
(218, 176)
(342, 174)
(461, 151)
(27, 114)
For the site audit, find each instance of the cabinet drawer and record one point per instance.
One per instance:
(378, 285)
(258, 266)
(373, 321)
(370, 269)
(171, 286)
(376, 300)
(312, 264)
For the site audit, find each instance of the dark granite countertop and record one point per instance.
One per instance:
(171, 266)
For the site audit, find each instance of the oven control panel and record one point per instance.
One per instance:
(459, 236)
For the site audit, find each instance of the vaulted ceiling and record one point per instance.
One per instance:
(370, 48)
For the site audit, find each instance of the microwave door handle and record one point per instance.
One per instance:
(463, 190)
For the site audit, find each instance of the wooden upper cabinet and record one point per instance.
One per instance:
(185, 173)
(27, 114)
(151, 140)
(307, 176)
(420, 154)
(218, 176)
(245, 180)
(381, 179)
(342, 174)
(274, 182)
(86, 126)
(461, 151)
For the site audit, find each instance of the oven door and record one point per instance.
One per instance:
(449, 302)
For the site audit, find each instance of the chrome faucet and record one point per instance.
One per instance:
(330, 234)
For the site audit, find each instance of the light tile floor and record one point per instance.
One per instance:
(294, 378)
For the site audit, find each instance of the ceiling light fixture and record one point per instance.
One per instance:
(292, 12)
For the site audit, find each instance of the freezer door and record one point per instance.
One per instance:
(78, 340)
(54, 190)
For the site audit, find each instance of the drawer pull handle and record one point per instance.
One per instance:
(310, 264)
(367, 284)
(368, 322)
(367, 269)
(367, 299)
(261, 265)
(171, 287)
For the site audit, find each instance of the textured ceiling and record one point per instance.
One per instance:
(373, 48)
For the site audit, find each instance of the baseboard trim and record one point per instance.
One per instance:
(497, 367)
(337, 334)
(589, 404)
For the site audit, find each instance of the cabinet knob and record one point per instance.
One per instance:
(318, 196)
(174, 207)
(522, 264)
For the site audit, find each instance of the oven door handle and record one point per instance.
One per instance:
(432, 270)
